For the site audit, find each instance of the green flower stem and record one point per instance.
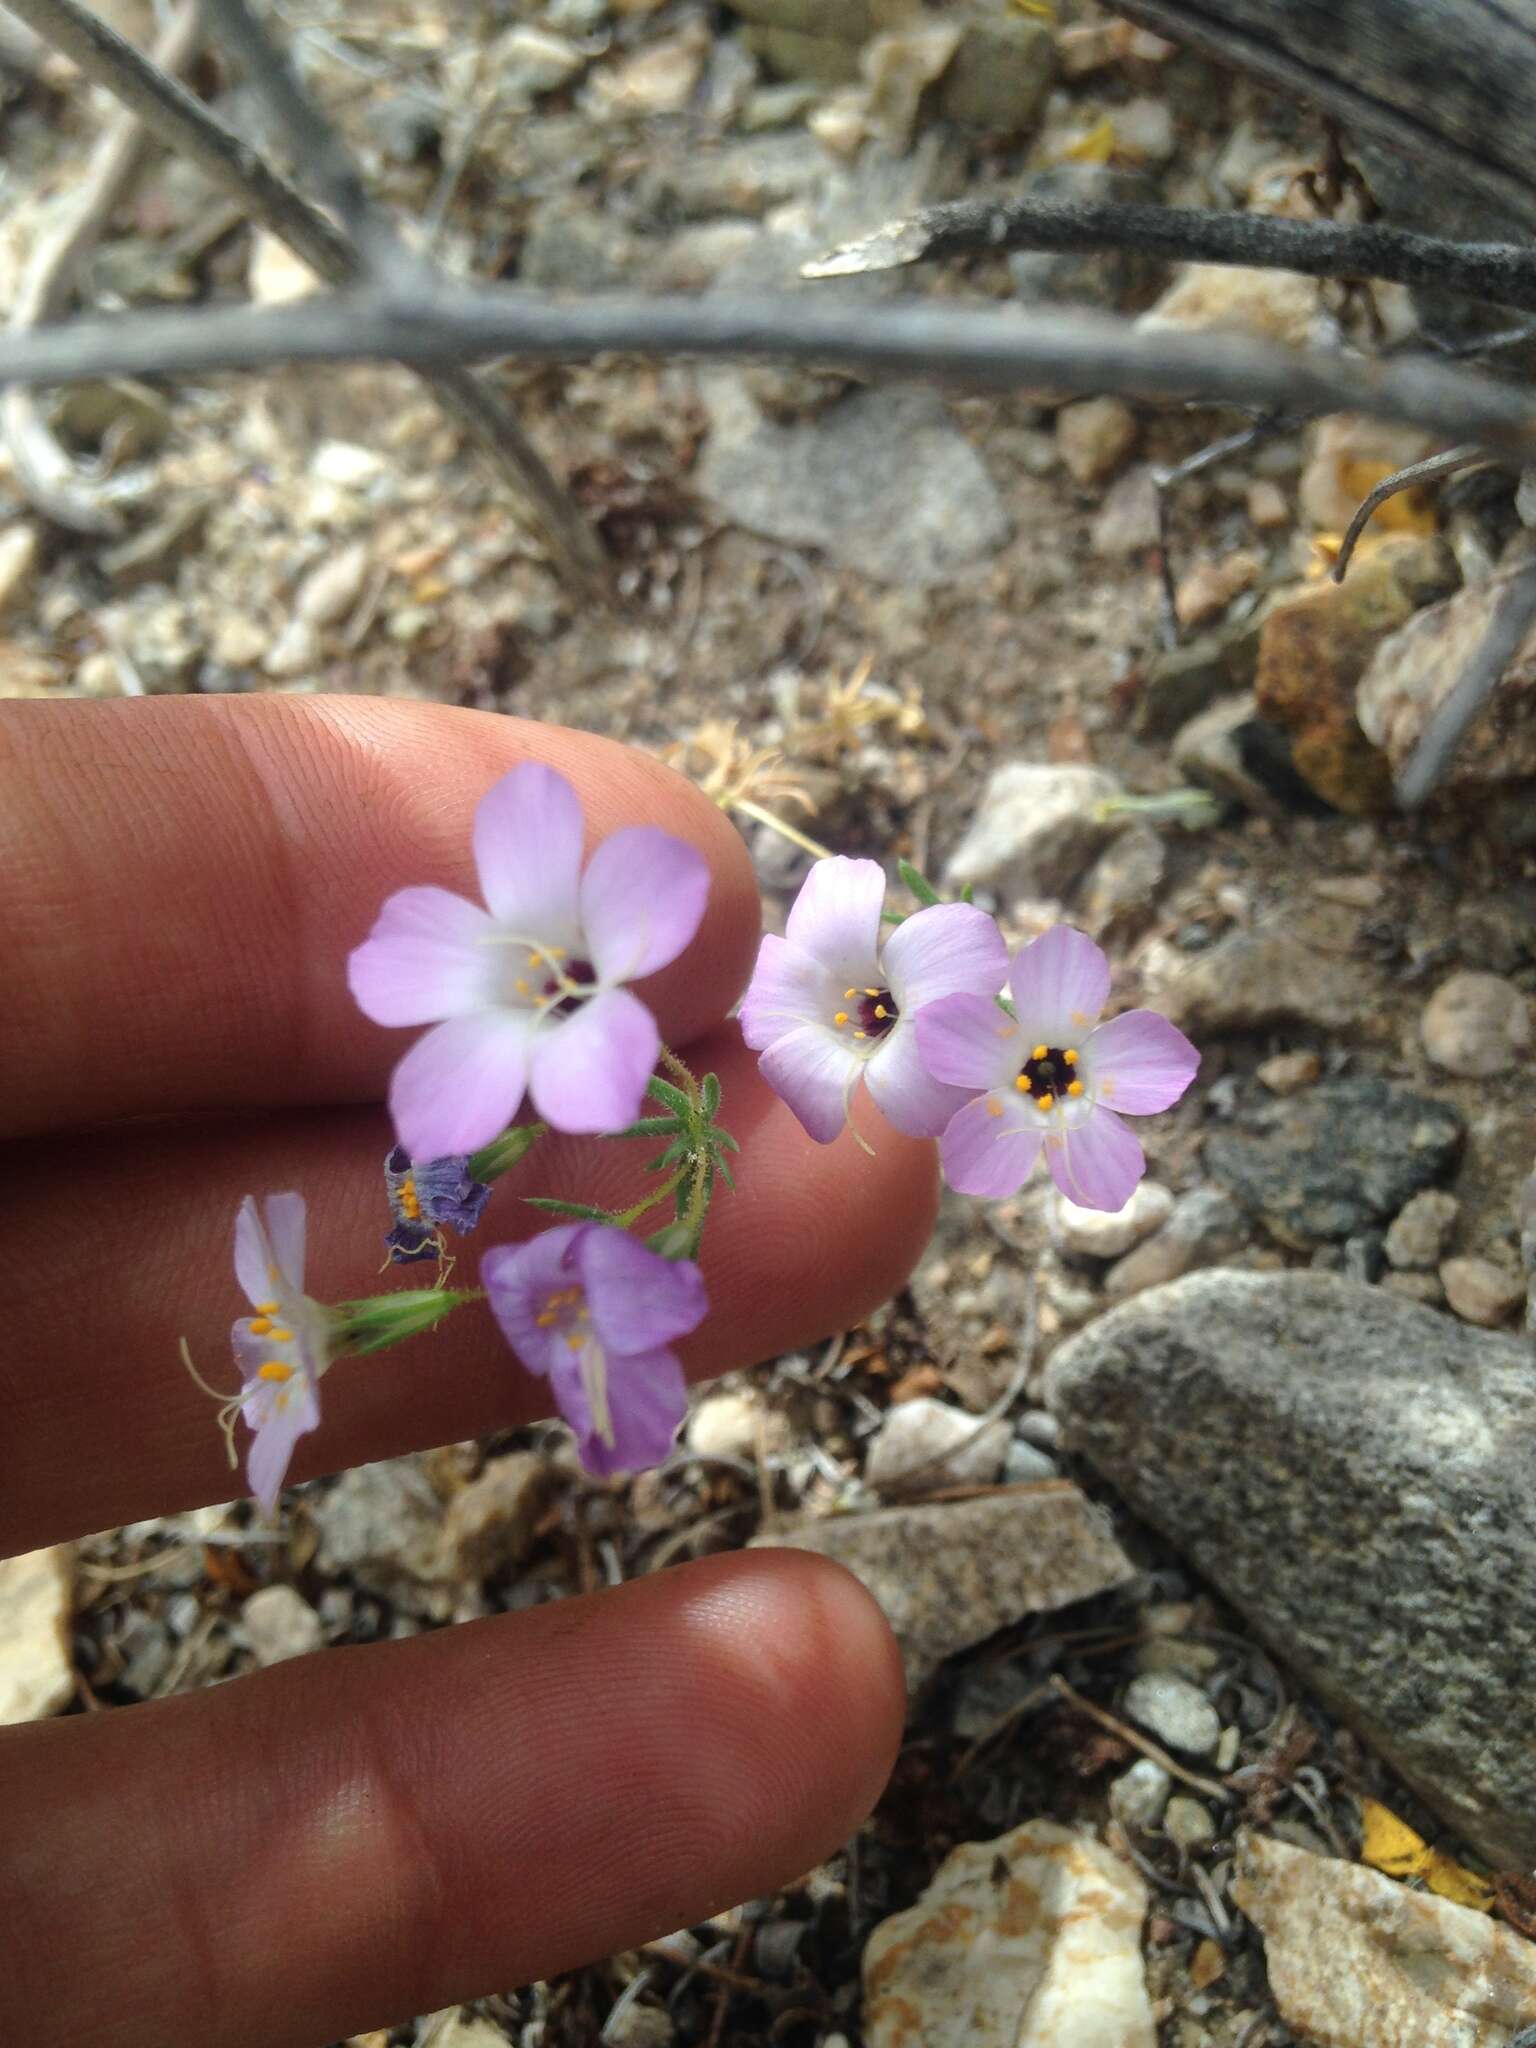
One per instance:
(623, 1218)
(380, 1320)
(505, 1152)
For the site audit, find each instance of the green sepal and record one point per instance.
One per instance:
(673, 1241)
(918, 883)
(709, 1095)
(503, 1153)
(674, 1098)
(379, 1320)
(725, 1172)
(575, 1212)
(648, 1127)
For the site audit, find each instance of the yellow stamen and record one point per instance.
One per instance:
(521, 986)
(260, 1325)
(1074, 1087)
(1044, 1102)
(575, 1341)
(881, 1010)
(549, 1318)
(871, 991)
(840, 1019)
(847, 992)
(274, 1369)
(861, 1034)
(1070, 1056)
(266, 1308)
(1040, 1052)
(1022, 1084)
(281, 1336)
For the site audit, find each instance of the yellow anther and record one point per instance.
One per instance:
(274, 1369)
(1074, 1087)
(548, 1319)
(260, 1326)
(1044, 1101)
(575, 1342)
(521, 985)
(1070, 1056)
(861, 1034)
(840, 1019)
(266, 1308)
(994, 1107)
(281, 1336)
(1040, 1052)
(871, 991)
(1022, 1084)
(881, 1010)
(849, 992)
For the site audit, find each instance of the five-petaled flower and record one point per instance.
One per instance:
(423, 1198)
(830, 1003)
(527, 995)
(283, 1348)
(596, 1312)
(1052, 1076)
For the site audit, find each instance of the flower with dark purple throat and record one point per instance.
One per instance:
(596, 1312)
(283, 1347)
(527, 995)
(830, 1004)
(1051, 1077)
(424, 1198)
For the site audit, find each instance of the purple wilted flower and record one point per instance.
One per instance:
(595, 1312)
(527, 996)
(283, 1348)
(423, 1198)
(830, 1002)
(1049, 1077)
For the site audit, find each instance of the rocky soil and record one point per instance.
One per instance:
(1200, 1525)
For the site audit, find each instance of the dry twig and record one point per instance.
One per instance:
(1424, 472)
(1212, 1787)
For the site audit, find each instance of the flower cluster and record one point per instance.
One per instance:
(527, 998)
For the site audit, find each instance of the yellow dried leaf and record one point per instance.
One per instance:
(1390, 1845)
(1096, 146)
(1042, 10)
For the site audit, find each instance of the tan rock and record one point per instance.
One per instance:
(37, 1604)
(1094, 436)
(1209, 587)
(948, 1575)
(1357, 1960)
(1476, 1025)
(1347, 455)
(1029, 1941)
(1268, 506)
(1287, 1073)
(1480, 1292)
(1274, 305)
(656, 80)
(490, 1524)
(18, 563)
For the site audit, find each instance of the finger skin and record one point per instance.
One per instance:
(122, 1246)
(184, 879)
(351, 1838)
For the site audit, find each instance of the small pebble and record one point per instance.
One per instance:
(280, 1623)
(1174, 1712)
(1477, 1025)
(1268, 506)
(1287, 1073)
(1420, 1233)
(1138, 1796)
(1105, 1234)
(1481, 1292)
(1094, 436)
(915, 1435)
(1188, 1825)
(724, 1425)
(1026, 1463)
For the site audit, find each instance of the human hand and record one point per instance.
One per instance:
(345, 1840)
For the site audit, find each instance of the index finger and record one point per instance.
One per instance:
(183, 879)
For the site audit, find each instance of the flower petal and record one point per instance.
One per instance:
(589, 1070)
(642, 899)
(1139, 1062)
(519, 1279)
(815, 1074)
(944, 950)
(285, 1234)
(461, 1084)
(638, 1298)
(836, 916)
(905, 1093)
(253, 1254)
(430, 955)
(647, 1400)
(1097, 1163)
(1060, 982)
(277, 1430)
(987, 1152)
(528, 838)
(969, 1042)
(789, 987)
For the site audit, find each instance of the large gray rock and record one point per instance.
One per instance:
(884, 481)
(1355, 1473)
(1326, 1164)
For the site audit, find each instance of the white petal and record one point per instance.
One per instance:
(815, 1073)
(528, 837)
(836, 916)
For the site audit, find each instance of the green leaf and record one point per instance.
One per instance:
(676, 1152)
(724, 1138)
(893, 917)
(709, 1090)
(725, 1172)
(674, 1098)
(649, 1127)
(577, 1212)
(968, 893)
(673, 1241)
(918, 883)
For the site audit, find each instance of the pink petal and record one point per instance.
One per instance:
(647, 1399)
(944, 950)
(815, 1074)
(788, 988)
(969, 1042)
(985, 1154)
(836, 916)
(589, 1070)
(271, 1448)
(462, 1084)
(1060, 982)
(638, 1298)
(285, 1234)
(1096, 1163)
(518, 1280)
(1139, 1062)
(253, 1254)
(528, 837)
(642, 898)
(905, 1093)
(430, 955)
